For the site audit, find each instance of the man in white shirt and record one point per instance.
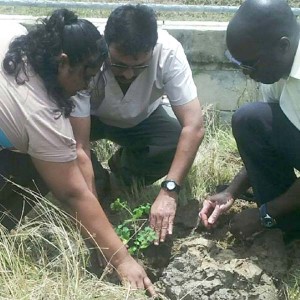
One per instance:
(144, 65)
(263, 39)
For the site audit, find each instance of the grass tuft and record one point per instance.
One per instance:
(45, 257)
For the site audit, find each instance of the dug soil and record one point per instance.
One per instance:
(198, 264)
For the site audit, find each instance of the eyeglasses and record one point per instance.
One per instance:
(246, 67)
(123, 68)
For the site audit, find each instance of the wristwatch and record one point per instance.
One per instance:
(265, 219)
(170, 186)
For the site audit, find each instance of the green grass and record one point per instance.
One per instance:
(182, 16)
(292, 286)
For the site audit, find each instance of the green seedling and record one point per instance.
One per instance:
(133, 231)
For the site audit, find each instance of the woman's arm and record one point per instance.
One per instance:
(67, 183)
(81, 128)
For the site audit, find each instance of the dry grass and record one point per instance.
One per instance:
(217, 160)
(46, 258)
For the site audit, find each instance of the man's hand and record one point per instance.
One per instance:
(246, 223)
(162, 215)
(213, 207)
(133, 274)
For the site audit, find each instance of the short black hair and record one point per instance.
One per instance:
(264, 21)
(133, 28)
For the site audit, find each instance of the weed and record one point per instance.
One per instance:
(133, 231)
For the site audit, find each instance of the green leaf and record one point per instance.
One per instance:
(126, 230)
(119, 205)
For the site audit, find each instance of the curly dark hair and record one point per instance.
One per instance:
(62, 32)
(133, 28)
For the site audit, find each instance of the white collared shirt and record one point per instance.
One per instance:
(287, 92)
(168, 74)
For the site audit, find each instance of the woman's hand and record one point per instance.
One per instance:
(213, 207)
(130, 272)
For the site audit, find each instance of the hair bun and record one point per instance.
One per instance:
(59, 19)
(69, 17)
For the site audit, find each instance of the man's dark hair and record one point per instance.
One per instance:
(62, 32)
(133, 28)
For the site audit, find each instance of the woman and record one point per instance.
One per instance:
(40, 72)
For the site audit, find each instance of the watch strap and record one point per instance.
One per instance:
(266, 220)
(263, 210)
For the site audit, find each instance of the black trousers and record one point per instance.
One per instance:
(269, 145)
(14, 201)
(147, 149)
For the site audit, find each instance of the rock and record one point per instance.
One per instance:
(269, 249)
(197, 272)
(247, 269)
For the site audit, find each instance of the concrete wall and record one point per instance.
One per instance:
(219, 83)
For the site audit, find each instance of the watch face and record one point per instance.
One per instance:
(268, 221)
(171, 185)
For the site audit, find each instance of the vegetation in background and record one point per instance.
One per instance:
(217, 160)
(162, 15)
(293, 288)
(292, 285)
